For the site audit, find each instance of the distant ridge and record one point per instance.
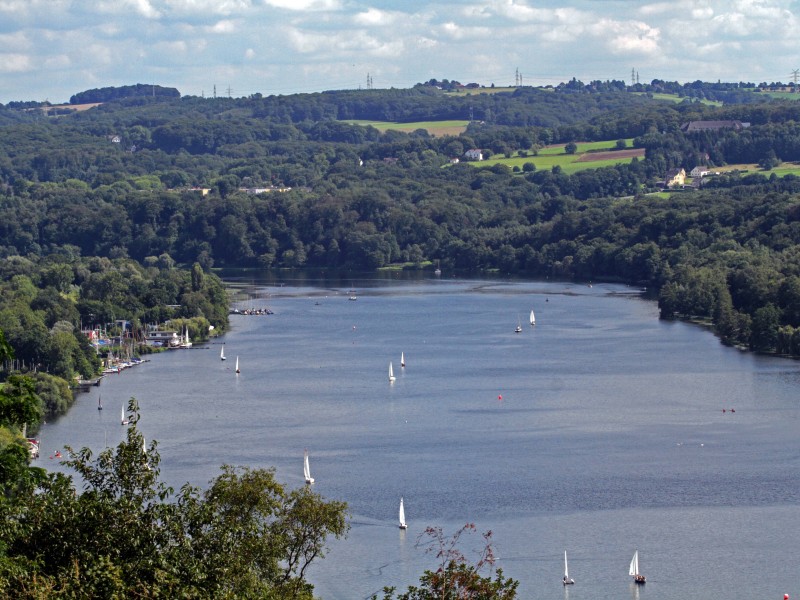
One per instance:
(107, 94)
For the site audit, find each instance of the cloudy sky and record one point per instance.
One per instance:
(51, 49)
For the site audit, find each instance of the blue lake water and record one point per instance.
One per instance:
(599, 431)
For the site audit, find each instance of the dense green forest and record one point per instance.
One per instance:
(121, 213)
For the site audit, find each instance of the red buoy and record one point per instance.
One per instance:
(500, 397)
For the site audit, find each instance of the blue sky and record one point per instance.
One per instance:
(51, 49)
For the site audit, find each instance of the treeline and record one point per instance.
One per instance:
(108, 94)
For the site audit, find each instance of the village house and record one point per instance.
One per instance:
(264, 190)
(675, 178)
(699, 171)
(473, 154)
(693, 126)
(162, 338)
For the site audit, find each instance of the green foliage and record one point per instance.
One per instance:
(456, 576)
(126, 534)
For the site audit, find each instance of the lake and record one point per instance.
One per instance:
(600, 431)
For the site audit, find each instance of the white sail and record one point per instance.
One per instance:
(237, 365)
(307, 468)
(533, 318)
(402, 360)
(122, 417)
(566, 568)
(222, 353)
(391, 372)
(634, 569)
(402, 516)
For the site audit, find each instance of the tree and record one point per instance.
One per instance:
(457, 577)
(571, 148)
(127, 535)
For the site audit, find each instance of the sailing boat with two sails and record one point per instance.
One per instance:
(533, 318)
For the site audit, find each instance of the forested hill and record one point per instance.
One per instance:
(283, 181)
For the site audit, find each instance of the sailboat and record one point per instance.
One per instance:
(99, 403)
(186, 343)
(566, 580)
(402, 516)
(237, 365)
(634, 569)
(533, 318)
(402, 360)
(518, 328)
(123, 418)
(222, 353)
(438, 271)
(306, 468)
(391, 372)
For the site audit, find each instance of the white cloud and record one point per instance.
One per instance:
(374, 17)
(14, 41)
(305, 45)
(15, 63)
(225, 26)
(143, 8)
(303, 5)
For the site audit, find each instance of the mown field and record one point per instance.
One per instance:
(436, 128)
(675, 98)
(589, 155)
(787, 168)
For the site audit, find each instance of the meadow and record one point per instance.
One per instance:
(589, 155)
(435, 128)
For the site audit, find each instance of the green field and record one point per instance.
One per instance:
(584, 147)
(675, 98)
(783, 95)
(551, 156)
(787, 168)
(480, 90)
(432, 127)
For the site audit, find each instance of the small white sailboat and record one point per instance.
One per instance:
(566, 580)
(144, 454)
(306, 469)
(186, 342)
(123, 419)
(99, 403)
(633, 571)
(402, 516)
(438, 271)
(391, 372)
(237, 365)
(533, 318)
(518, 328)
(402, 360)
(222, 353)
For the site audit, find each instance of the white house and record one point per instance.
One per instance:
(699, 171)
(474, 154)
